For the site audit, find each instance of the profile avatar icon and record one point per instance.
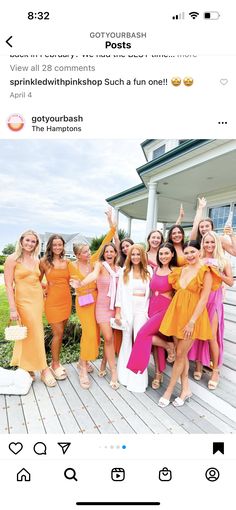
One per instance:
(15, 122)
(212, 474)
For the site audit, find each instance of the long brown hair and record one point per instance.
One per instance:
(142, 265)
(101, 256)
(148, 238)
(48, 257)
(199, 235)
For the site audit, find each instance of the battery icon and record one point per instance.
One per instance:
(211, 15)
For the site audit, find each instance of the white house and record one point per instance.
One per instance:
(70, 240)
(179, 171)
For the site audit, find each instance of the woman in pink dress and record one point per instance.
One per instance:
(106, 273)
(148, 335)
(205, 353)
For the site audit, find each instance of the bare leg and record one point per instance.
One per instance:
(214, 350)
(107, 333)
(168, 346)
(185, 388)
(158, 377)
(57, 331)
(179, 366)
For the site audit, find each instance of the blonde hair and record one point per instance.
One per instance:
(218, 253)
(77, 248)
(142, 265)
(19, 250)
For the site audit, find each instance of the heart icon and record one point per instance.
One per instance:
(15, 447)
(224, 81)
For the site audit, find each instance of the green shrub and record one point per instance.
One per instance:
(2, 259)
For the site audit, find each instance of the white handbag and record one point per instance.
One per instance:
(114, 325)
(14, 382)
(16, 332)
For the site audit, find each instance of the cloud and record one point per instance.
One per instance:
(53, 185)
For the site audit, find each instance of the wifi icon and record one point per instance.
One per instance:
(194, 14)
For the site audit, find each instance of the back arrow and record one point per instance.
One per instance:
(7, 41)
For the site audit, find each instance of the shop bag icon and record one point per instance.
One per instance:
(165, 475)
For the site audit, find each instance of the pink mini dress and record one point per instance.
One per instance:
(103, 312)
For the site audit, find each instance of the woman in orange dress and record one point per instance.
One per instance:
(25, 296)
(85, 304)
(58, 297)
(186, 318)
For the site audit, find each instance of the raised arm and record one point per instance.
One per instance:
(206, 289)
(198, 217)
(228, 246)
(107, 238)
(9, 268)
(181, 215)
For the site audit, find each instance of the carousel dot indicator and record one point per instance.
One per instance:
(15, 122)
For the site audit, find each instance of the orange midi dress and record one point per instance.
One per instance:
(29, 353)
(184, 303)
(58, 301)
(90, 338)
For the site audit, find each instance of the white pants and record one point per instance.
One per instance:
(134, 382)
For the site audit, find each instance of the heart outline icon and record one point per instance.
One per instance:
(15, 447)
(224, 81)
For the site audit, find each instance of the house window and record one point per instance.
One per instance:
(158, 152)
(219, 216)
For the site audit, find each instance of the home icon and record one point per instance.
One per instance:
(23, 476)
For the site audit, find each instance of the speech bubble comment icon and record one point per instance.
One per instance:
(40, 448)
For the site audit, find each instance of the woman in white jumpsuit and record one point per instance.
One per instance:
(132, 312)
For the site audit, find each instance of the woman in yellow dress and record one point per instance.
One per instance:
(186, 318)
(85, 304)
(25, 296)
(176, 237)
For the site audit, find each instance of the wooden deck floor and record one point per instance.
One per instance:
(68, 408)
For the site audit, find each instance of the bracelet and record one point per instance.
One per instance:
(192, 322)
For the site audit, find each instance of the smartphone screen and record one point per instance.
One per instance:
(117, 264)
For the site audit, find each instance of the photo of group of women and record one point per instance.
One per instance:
(160, 299)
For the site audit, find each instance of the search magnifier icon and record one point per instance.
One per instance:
(70, 474)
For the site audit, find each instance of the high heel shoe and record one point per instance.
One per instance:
(89, 367)
(197, 375)
(179, 402)
(102, 370)
(163, 402)
(171, 355)
(83, 378)
(157, 381)
(114, 384)
(212, 385)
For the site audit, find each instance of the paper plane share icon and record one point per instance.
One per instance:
(64, 447)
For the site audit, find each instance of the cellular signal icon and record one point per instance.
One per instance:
(194, 14)
(179, 16)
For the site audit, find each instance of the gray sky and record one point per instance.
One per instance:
(61, 186)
